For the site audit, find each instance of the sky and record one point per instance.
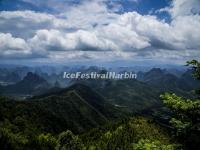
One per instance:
(63, 31)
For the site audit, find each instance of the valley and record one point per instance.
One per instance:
(97, 112)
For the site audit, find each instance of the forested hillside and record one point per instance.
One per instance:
(117, 114)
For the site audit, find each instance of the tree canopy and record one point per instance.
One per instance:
(186, 113)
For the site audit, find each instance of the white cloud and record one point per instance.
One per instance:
(54, 40)
(91, 30)
(7, 42)
(88, 15)
(11, 46)
(29, 22)
(184, 7)
(187, 29)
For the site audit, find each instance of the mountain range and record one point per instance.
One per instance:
(29, 85)
(87, 104)
(77, 108)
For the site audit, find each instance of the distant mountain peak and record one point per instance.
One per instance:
(157, 70)
(57, 84)
(34, 77)
(30, 84)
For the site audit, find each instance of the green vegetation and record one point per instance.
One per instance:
(79, 118)
(196, 71)
(133, 133)
(186, 119)
(129, 95)
(187, 113)
(68, 141)
(44, 124)
(196, 68)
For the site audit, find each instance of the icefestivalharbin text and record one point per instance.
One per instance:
(96, 75)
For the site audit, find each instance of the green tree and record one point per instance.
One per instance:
(145, 144)
(186, 119)
(46, 142)
(10, 140)
(195, 65)
(186, 113)
(68, 141)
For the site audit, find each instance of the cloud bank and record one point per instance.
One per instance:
(91, 30)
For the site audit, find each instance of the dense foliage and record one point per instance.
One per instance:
(79, 118)
(186, 114)
(134, 134)
(125, 134)
(196, 68)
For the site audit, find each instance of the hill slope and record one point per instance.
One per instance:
(129, 95)
(30, 84)
(129, 134)
(77, 108)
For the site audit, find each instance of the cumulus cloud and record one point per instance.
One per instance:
(184, 7)
(54, 40)
(91, 30)
(29, 22)
(11, 46)
(11, 43)
(89, 14)
(175, 36)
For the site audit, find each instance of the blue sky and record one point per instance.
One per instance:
(99, 30)
(141, 6)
